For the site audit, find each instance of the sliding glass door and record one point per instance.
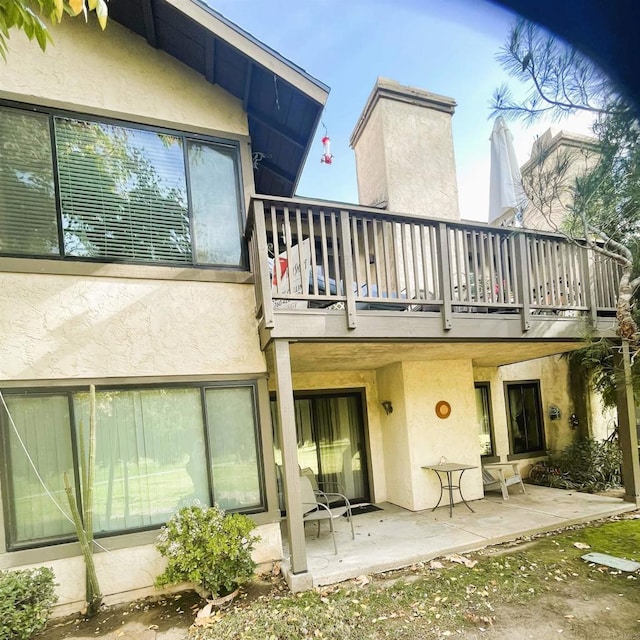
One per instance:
(330, 437)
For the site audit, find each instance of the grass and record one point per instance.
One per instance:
(441, 598)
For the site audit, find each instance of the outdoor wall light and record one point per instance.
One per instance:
(388, 408)
(554, 412)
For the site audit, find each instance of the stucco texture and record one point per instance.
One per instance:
(371, 163)
(405, 159)
(124, 574)
(65, 327)
(421, 169)
(432, 438)
(115, 73)
(553, 374)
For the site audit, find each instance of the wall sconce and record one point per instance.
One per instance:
(388, 408)
(554, 412)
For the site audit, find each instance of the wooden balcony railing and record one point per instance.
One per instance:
(322, 255)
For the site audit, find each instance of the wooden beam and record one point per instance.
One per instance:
(269, 166)
(149, 22)
(263, 281)
(210, 59)
(523, 279)
(627, 435)
(289, 448)
(318, 324)
(444, 274)
(247, 86)
(278, 128)
(347, 269)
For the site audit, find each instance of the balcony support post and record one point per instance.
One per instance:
(286, 420)
(524, 280)
(346, 258)
(262, 276)
(444, 274)
(627, 434)
(589, 278)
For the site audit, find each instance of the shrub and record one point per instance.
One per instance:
(26, 599)
(205, 546)
(587, 465)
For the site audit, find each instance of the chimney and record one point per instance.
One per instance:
(404, 152)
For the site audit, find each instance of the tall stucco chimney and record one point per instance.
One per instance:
(404, 152)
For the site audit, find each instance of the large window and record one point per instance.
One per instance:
(526, 429)
(157, 449)
(483, 418)
(82, 188)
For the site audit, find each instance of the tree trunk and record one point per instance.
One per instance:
(626, 327)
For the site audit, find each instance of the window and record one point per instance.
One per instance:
(484, 421)
(526, 430)
(157, 449)
(28, 223)
(79, 188)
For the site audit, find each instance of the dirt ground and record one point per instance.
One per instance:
(167, 617)
(579, 614)
(577, 610)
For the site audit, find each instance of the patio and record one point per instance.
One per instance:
(393, 537)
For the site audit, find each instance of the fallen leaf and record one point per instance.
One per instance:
(362, 580)
(462, 560)
(205, 612)
(435, 564)
(581, 545)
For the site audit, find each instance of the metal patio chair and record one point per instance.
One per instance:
(314, 511)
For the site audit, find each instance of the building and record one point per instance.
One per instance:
(150, 245)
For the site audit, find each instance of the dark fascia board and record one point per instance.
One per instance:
(260, 53)
(220, 29)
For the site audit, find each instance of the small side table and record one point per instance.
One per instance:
(449, 468)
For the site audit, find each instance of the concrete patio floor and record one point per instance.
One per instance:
(394, 537)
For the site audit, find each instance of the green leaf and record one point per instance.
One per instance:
(42, 35)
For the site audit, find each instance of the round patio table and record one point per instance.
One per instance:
(448, 469)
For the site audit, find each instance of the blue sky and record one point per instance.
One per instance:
(443, 46)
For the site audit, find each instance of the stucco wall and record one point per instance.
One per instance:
(59, 327)
(549, 175)
(414, 436)
(420, 164)
(68, 321)
(395, 436)
(433, 438)
(370, 154)
(553, 374)
(125, 574)
(115, 73)
(403, 145)
(602, 420)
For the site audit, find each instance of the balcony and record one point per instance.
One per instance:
(334, 271)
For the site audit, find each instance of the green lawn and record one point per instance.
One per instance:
(456, 600)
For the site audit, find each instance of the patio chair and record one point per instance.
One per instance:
(328, 492)
(314, 511)
(502, 482)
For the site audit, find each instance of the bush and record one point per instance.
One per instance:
(26, 599)
(205, 546)
(587, 465)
